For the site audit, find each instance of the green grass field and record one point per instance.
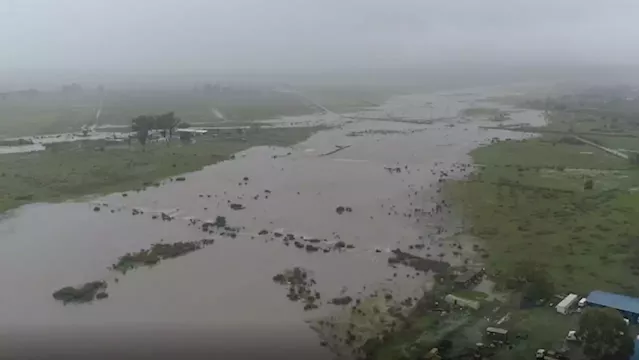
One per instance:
(52, 112)
(70, 170)
(528, 203)
(49, 112)
(422, 334)
(21, 117)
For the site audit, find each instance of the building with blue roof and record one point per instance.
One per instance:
(627, 305)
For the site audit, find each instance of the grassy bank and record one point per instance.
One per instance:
(528, 202)
(70, 170)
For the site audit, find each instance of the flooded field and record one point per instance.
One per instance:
(384, 174)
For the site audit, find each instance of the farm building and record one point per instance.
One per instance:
(627, 305)
(455, 300)
(469, 277)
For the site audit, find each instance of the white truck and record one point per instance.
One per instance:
(564, 306)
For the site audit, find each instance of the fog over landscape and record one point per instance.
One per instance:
(105, 38)
(319, 179)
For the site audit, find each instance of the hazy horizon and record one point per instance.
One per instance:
(115, 38)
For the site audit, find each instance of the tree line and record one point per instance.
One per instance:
(166, 123)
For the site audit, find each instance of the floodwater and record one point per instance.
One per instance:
(39, 142)
(227, 287)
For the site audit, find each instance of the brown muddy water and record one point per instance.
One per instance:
(227, 288)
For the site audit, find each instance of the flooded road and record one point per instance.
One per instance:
(389, 175)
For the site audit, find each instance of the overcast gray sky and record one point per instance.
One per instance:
(214, 35)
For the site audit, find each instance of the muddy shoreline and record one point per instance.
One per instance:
(230, 283)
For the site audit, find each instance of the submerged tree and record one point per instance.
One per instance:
(167, 123)
(142, 125)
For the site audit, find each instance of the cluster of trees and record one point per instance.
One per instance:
(166, 123)
(533, 281)
(604, 335)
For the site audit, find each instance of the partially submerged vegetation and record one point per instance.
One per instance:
(64, 171)
(158, 252)
(492, 114)
(300, 284)
(82, 294)
(16, 142)
(383, 132)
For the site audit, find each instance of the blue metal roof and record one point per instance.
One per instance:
(615, 301)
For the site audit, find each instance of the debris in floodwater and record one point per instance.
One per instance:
(96, 208)
(338, 148)
(245, 179)
(221, 221)
(235, 206)
(181, 178)
(311, 248)
(158, 252)
(417, 262)
(166, 217)
(263, 232)
(82, 294)
(300, 286)
(344, 300)
(342, 209)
